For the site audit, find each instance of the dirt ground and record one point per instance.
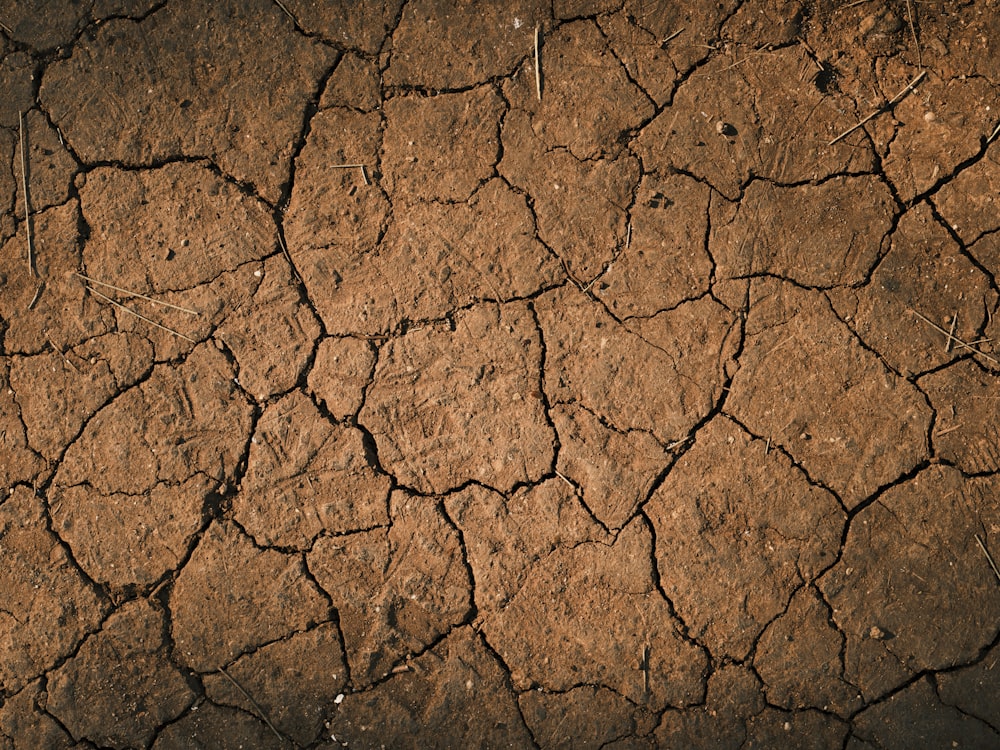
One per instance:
(425, 373)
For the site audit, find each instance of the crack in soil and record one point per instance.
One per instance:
(456, 318)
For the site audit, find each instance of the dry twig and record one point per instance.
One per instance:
(889, 105)
(956, 340)
(136, 294)
(22, 137)
(253, 703)
(913, 30)
(989, 557)
(140, 316)
(538, 65)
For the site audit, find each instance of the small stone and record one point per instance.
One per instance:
(876, 633)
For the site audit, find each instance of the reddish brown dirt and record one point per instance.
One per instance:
(626, 417)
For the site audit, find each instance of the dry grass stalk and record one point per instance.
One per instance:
(538, 64)
(253, 703)
(140, 316)
(989, 557)
(136, 294)
(956, 340)
(287, 12)
(23, 137)
(891, 103)
(672, 36)
(913, 30)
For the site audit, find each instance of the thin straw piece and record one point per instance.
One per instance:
(892, 102)
(958, 341)
(136, 294)
(989, 557)
(24, 190)
(139, 315)
(253, 703)
(538, 67)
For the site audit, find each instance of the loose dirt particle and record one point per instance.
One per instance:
(446, 407)
(232, 597)
(306, 476)
(396, 590)
(119, 688)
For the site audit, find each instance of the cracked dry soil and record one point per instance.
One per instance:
(635, 415)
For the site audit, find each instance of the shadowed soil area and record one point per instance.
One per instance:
(473, 374)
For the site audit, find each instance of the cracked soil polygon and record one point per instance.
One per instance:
(142, 693)
(440, 373)
(903, 606)
(397, 589)
(736, 533)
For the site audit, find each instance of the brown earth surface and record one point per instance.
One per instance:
(369, 387)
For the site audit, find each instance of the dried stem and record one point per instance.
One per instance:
(118, 304)
(538, 64)
(891, 103)
(22, 137)
(136, 294)
(253, 703)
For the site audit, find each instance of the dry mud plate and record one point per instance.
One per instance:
(531, 374)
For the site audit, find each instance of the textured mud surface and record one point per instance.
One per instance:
(638, 414)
